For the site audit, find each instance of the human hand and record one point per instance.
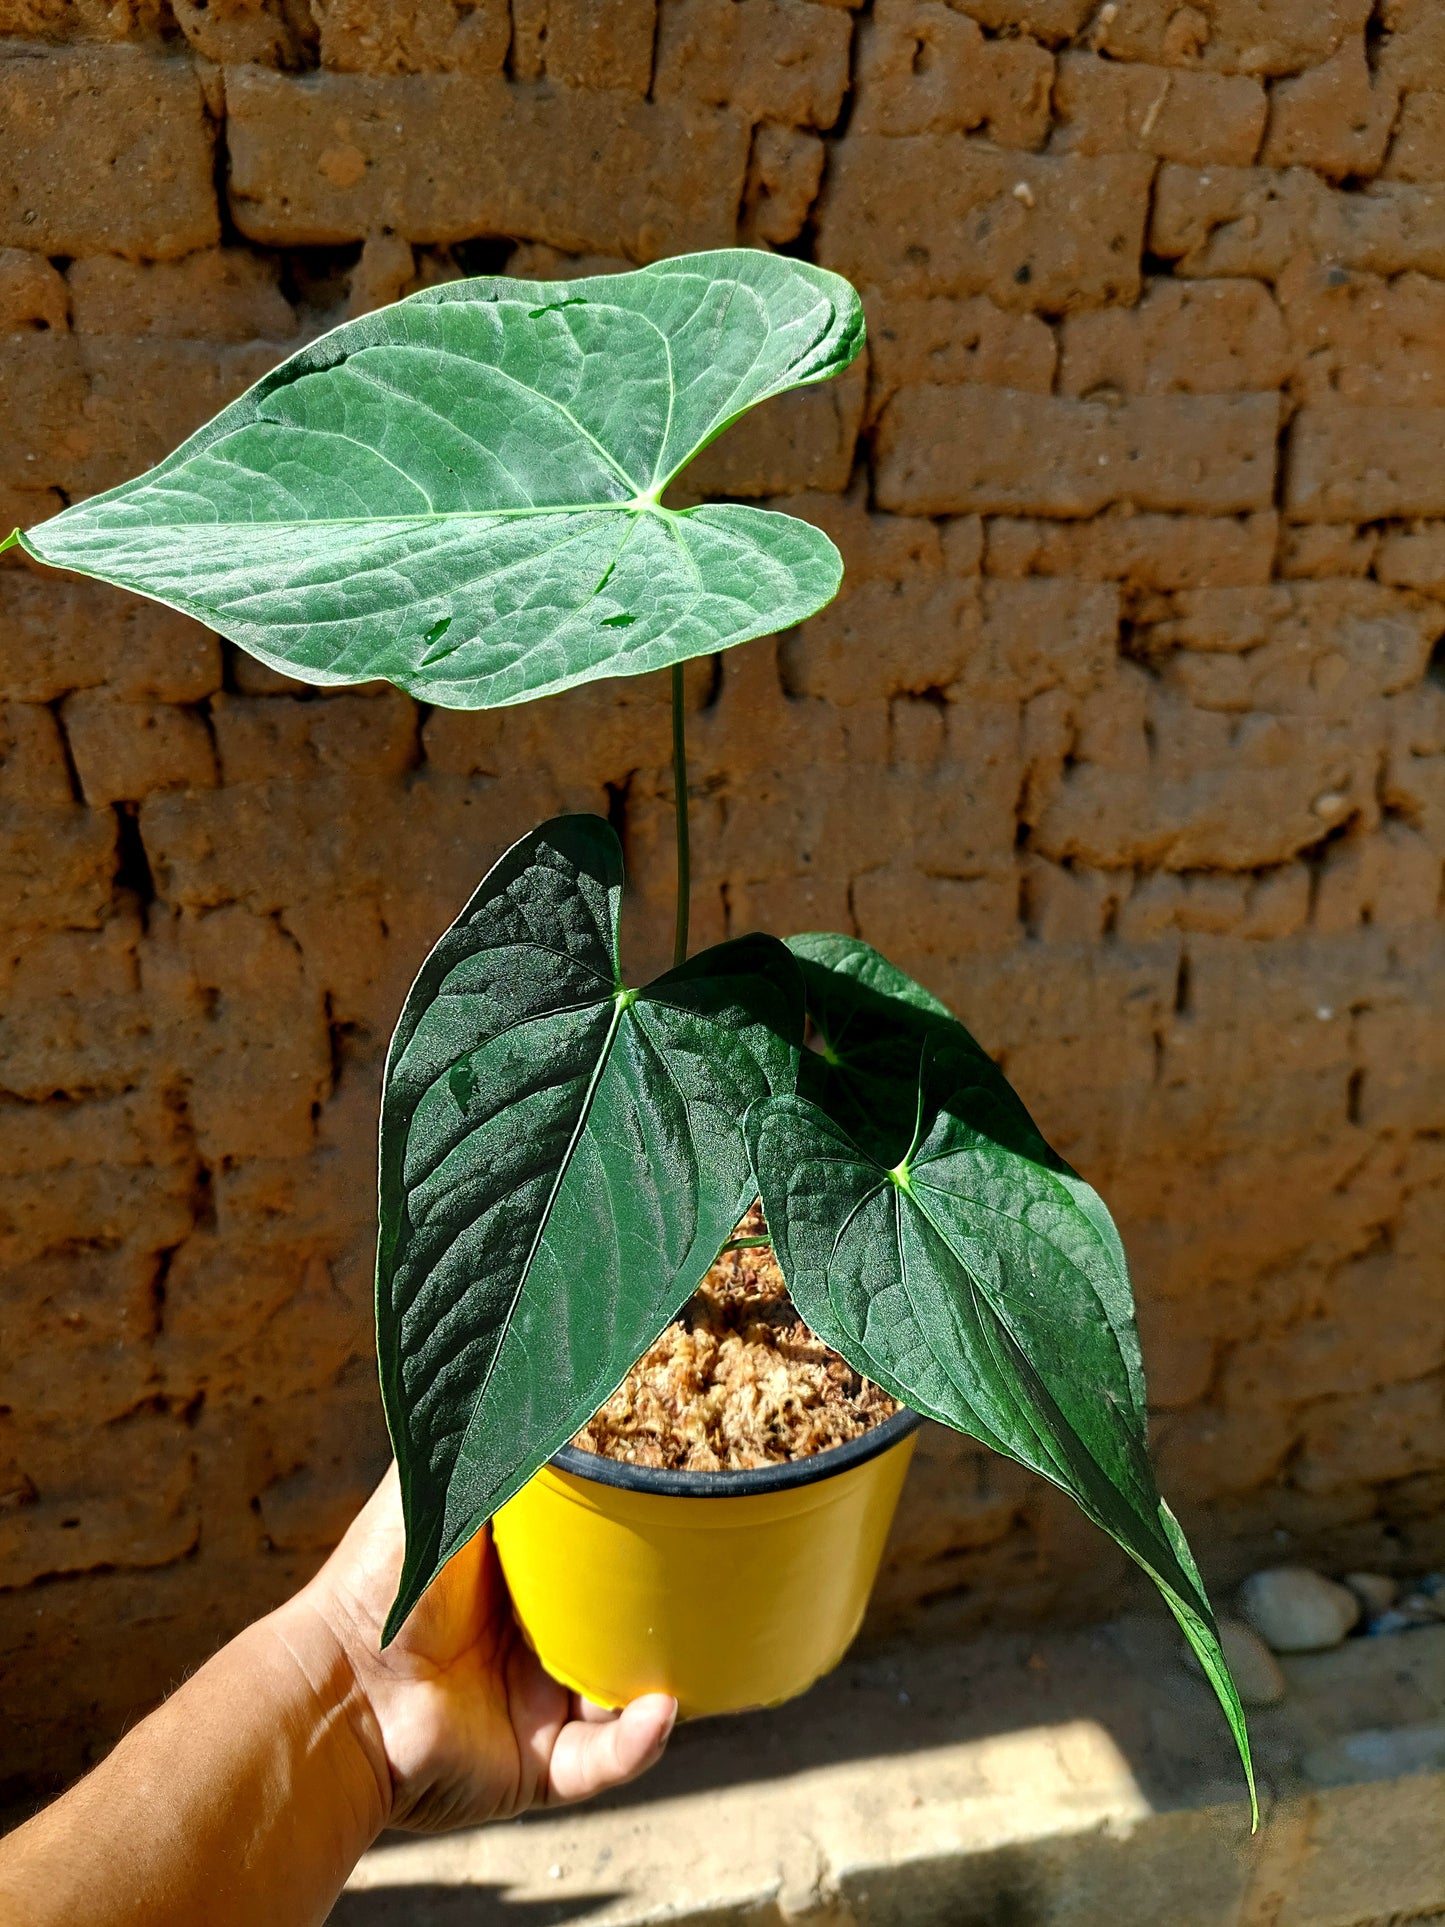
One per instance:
(459, 1721)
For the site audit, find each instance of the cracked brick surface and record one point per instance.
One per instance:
(1127, 732)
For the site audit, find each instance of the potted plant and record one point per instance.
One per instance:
(464, 494)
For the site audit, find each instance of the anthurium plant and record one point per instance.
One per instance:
(464, 494)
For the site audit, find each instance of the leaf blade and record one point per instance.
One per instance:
(560, 1160)
(482, 456)
(977, 1278)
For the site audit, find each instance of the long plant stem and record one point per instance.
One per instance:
(679, 806)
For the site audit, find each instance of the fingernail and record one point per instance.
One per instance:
(668, 1724)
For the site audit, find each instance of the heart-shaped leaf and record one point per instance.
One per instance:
(974, 1275)
(460, 493)
(561, 1159)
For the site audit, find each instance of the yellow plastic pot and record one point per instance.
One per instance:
(726, 1589)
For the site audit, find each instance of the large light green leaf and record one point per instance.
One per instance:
(460, 493)
(561, 1158)
(966, 1268)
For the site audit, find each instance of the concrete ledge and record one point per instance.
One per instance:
(1068, 1780)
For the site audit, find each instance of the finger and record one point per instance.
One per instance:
(590, 1757)
(591, 1713)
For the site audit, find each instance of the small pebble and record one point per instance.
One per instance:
(1256, 1671)
(1376, 1591)
(1295, 1610)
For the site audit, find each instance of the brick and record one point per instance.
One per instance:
(1145, 551)
(1413, 781)
(91, 1204)
(940, 214)
(949, 450)
(100, 20)
(1210, 1453)
(124, 751)
(923, 68)
(804, 440)
(1326, 549)
(146, 396)
(385, 271)
(1414, 559)
(934, 338)
(1243, 748)
(1039, 635)
(1362, 464)
(1309, 648)
(32, 294)
(103, 150)
(1417, 149)
(56, 866)
(128, 1503)
(57, 636)
(443, 157)
(42, 396)
(218, 294)
(1389, 880)
(785, 172)
(1048, 20)
(88, 411)
(1336, 118)
(1362, 338)
(271, 33)
(259, 738)
(902, 620)
(1232, 36)
(1277, 904)
(922, 918)
(1386, 1434)
(95, 1310)
(1404, 1063)
(247, 1027)
(47, 967)
(1113, 107)
(1183, 337)
(413, 36)
(1067, 906)
(1257, 220)
(1412, 50)
(33, 769)
(137, 1128)
(584, 43)
(767, 59)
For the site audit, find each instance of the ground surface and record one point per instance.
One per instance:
(1080, 1780)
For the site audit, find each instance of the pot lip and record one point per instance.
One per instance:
(782, 1477)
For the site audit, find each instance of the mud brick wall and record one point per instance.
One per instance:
(1127, 733)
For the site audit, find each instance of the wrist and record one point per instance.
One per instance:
(340, 1722)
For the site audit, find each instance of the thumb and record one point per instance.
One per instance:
(590, 1756)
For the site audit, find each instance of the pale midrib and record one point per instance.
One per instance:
(604, 1057)
(371, 521)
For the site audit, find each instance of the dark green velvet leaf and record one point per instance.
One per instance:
(561, 1159)
(967, 1268)
(461, 492)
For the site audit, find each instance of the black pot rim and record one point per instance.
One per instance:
(740, 1485)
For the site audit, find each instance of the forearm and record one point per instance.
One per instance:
(244, 1801)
